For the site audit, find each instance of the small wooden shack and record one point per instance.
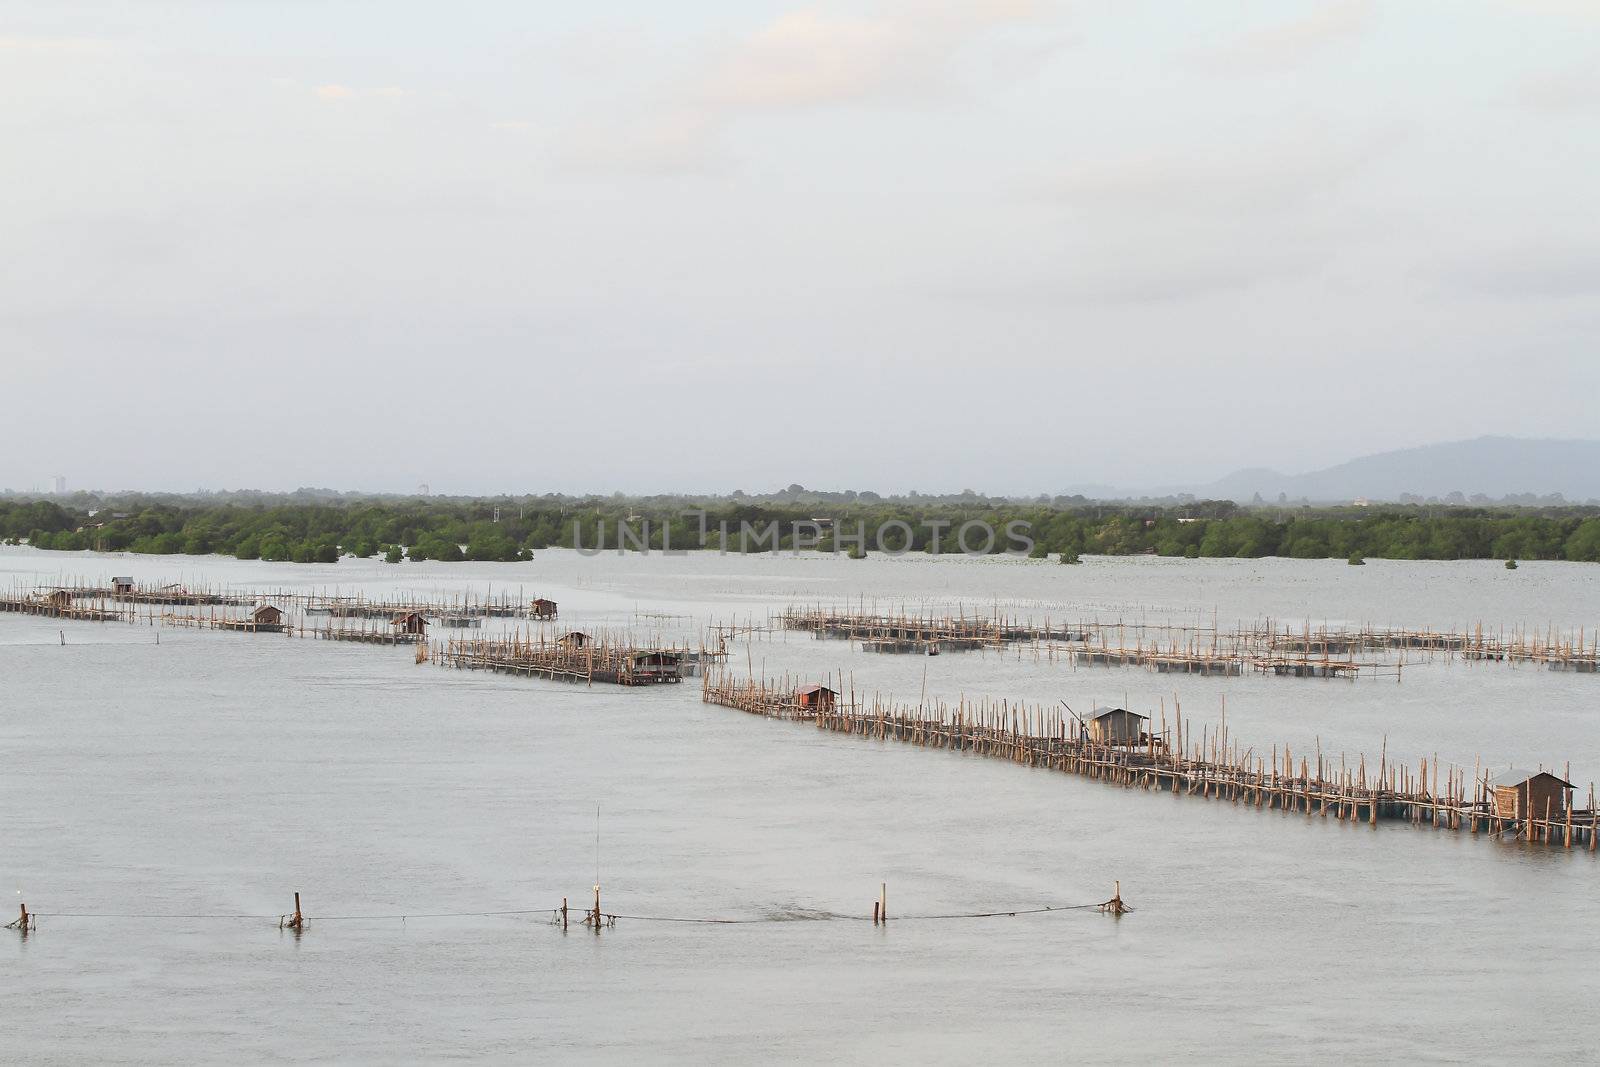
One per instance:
(650, 666)
(267, 615)
(59, 599)
(543, 609)
(410, 622)
(1116, 726)
(574, 639)
(1529, 794)
(121, 586)
(815, 697)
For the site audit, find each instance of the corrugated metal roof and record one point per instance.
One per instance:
(1514, 776)
(1106, 713)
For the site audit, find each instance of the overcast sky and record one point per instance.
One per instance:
(711, 245)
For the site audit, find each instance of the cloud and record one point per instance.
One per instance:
(1285, 45)
(1145, 261)
(1225, 179)
(345, 92)
(1529, 273)
(24, 43)
(1180, 225)
(808, 58)
(1200, 270)
(1584, 10)
(1573, 92)
(682, 141)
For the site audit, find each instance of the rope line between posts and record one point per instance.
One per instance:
(308, 918)
(832, 917)
(556, 914)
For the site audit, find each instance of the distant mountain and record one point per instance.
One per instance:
(1492, 466)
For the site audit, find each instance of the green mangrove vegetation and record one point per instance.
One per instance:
(325, 528)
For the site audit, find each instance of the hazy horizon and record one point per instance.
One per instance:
(1008, 245)
(1231, 485)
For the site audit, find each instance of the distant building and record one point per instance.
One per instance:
(815, 697)
(655, 665)
(1529, 794)
(60, 485)
(267, 615)
(410, 622)
(1116, 726)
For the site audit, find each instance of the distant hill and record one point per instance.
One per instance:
(1492, 466)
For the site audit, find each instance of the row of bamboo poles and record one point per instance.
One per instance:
(1265, 647)
(1172, 758)
(573, 657)
(505, 604)
(367, 631)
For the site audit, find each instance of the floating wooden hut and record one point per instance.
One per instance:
(542, 608)
(410, 622)
(1529, 794)
(264, 619)
(1116, 726)
(815, 698)
(650, 666)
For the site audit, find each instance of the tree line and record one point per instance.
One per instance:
(511, 529)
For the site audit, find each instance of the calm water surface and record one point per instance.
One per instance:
(215, 774)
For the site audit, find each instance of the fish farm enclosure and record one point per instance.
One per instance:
(979, 760)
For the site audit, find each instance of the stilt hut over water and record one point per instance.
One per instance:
(267, 615)
(59, 599)
(410, 622)
(543, 609)
(1529, 794)
(121, 586)
(815, 697)
(573, 639)
(649, 666)
(1116, 726)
